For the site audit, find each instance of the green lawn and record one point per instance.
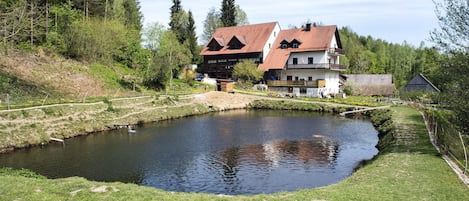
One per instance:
(409, 168)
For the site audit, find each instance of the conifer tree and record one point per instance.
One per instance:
(228, 13)
(191, 37)
(178, 19)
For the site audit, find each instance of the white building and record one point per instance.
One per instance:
(305, 61)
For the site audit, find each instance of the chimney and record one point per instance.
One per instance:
(308, 27)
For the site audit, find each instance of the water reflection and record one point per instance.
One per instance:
(235, 152)
(321, 151)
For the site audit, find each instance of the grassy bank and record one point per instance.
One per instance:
(23, 128)
(408, 168)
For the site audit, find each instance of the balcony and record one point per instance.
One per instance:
(336, 52)
(296, 83)
(338, 67)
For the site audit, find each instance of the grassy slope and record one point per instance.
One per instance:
(408, 169)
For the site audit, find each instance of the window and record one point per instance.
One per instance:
(310, 78)
(270, 45)
(295, 61)
(284, 46)
(297, 78)
(233, 60)
(289, 77)
(295, 45)
(310, 60)
(303, 90)
(212, 61)
(222, 61)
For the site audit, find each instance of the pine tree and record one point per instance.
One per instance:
(191, 37)
(228, 13)
(178, 21)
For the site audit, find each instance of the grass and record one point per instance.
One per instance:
(408, 168)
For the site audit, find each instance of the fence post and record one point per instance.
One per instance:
(465, 153)
(8, 101)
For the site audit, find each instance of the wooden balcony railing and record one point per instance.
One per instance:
(292, 83)
(336, 51)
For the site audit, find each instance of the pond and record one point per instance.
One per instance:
(234, 152)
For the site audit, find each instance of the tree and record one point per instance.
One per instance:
(178, 21)
(228, 13)
(151, 34)
(453, 17)
(211, 23)
(96, 41)
(247, 71)
(133, 16)
(191, 38)
(63, 17)
(241, 16)
(12, 21)
(172, 55)
(453, 38)
(453, 72)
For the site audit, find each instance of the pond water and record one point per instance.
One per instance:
(235, 152)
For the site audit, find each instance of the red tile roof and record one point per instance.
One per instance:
(317, 39)
(253, 36)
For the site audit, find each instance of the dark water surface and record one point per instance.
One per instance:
(236, 152)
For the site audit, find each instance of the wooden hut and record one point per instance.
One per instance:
(225, 85)
(420, 83)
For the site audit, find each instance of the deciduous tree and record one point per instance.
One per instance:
(453, 38)
(247, 71)
(453, 17)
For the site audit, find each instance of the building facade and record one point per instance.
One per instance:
(230, 45)
(302, 62)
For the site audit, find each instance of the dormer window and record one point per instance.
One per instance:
(236, 44)
(284, 44)
(214, 45)
(295, 43)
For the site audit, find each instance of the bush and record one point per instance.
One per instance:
(247, 72)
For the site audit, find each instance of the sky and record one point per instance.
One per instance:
(394, 21)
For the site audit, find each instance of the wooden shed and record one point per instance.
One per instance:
(225, 85)
(420, 83)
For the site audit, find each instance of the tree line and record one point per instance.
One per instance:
(365, 54)
(110, 31)
(445, 63)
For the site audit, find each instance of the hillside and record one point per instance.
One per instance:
(27, 77)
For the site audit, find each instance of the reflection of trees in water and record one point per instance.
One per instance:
(321, 151)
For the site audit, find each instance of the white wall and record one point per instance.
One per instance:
(319, 57)
(334, 59)
(334, 42)
(332, 82)
(270, 42)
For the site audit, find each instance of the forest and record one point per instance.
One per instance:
(111, 32)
